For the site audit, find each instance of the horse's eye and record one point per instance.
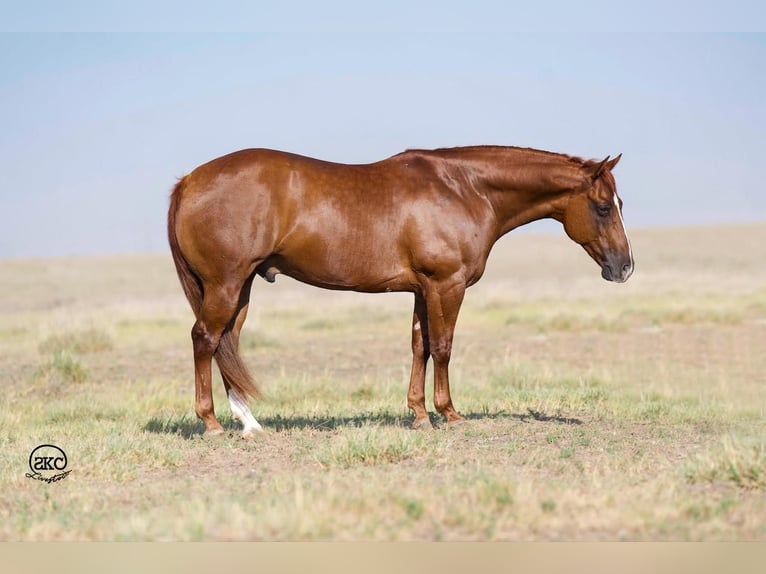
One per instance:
(603, 209)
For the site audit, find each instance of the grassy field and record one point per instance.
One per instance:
(596, 411)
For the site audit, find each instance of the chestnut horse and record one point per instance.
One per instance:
(422, 221)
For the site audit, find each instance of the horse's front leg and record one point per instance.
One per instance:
(416, 396)
(443, 300)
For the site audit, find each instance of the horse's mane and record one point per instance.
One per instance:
(456, 152)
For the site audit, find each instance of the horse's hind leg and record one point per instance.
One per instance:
(218, 307)
(239, 407)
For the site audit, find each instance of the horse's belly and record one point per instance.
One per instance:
(346, 267)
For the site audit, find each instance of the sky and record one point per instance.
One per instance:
(95, 128)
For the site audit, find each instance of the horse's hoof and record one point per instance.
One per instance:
(456, 424)
(253, 434)
(422, 424)
(214, 434)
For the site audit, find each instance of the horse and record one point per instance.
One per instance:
(421, 221)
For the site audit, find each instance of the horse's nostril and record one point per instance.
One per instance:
(626, 267)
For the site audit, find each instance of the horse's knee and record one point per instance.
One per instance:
(441, 351)
(203, 340)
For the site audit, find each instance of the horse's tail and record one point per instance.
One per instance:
(189, 281)
(226, 354)
(232, 368)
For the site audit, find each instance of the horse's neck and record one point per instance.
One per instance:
(523, 187)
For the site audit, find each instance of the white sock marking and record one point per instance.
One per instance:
(241, 412)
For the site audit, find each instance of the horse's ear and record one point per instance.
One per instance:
(610, 165)
(598, 169)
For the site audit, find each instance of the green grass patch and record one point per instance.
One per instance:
(61, 368)
(741, 463)
(495, 493)
(412, 507)
(704, 511)
(548, 506)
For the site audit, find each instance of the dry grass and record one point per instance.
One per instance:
(80, 342)
(595, 411)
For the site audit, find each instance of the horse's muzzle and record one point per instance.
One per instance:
(617, 270)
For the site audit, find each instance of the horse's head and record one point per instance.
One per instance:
(593, 218)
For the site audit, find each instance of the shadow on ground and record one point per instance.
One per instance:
(188, 427)
(532, 415)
